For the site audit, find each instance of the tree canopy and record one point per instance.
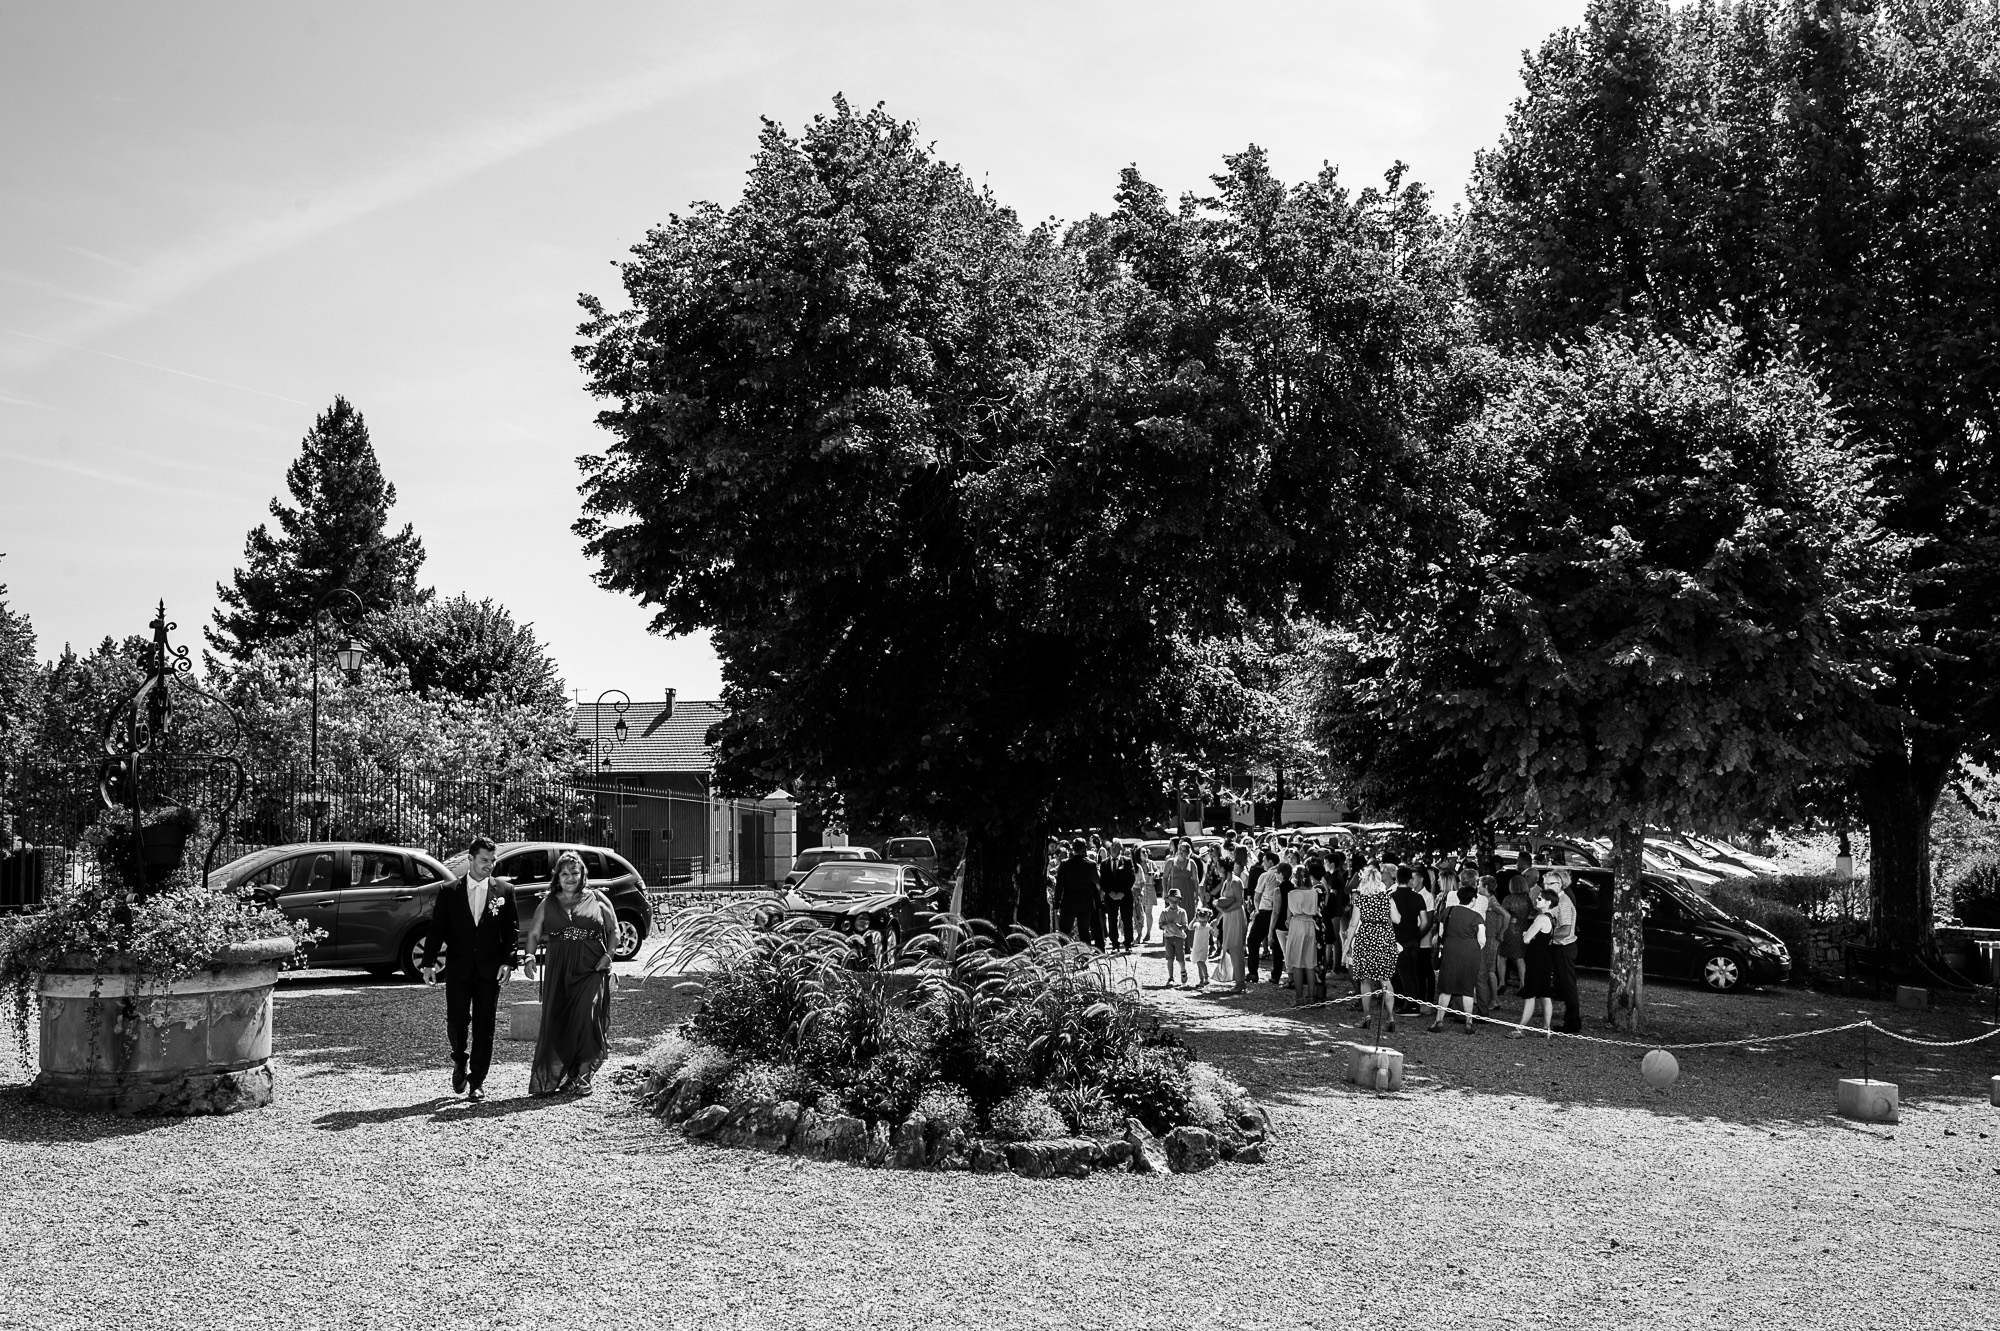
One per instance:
(333, 535)
(1826, 178)
(20, 688)
(1668, 602)
(467, 649)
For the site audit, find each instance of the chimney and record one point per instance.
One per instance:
(669, 715)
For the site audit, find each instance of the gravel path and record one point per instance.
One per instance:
(1510, 1184)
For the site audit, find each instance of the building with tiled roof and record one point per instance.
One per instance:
(656, 803)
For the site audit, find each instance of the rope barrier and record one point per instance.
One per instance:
(1636, 1044)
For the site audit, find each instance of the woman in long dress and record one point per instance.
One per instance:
(1302, 935)
(1371, 944)
(1464, 956)
(580, 931)
(1229, 910)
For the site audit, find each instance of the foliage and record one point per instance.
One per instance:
(1826, 178)
(1790, 922)
(1666, 606)
(20, 689)
(160, 937)
(946, 1108)
(1975, 893)
(334, 537)
(461, 648)
(984, 1030)
(1067, 455)
(771, 1083)
(1153, 1084)
(1027, 1116)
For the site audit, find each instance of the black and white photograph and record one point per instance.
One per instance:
(1110, 666)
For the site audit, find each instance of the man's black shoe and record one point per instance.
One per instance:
(458, 1081)
(476, 1094)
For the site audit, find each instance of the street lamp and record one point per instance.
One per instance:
(349, 656)
(602, 761)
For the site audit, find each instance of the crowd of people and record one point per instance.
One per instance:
(1433, 934)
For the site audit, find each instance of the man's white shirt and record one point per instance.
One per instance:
(475, 895)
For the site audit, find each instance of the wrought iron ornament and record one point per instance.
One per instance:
(140, 722)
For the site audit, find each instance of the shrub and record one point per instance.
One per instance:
(1975, 893)
(1230, 1099)
(1152, 1084)
(946, 1107)
(664, 1059)
(1792, 926)
(1086, 1110)
(708, 1068)
(769, 1082)
(1026, 1116)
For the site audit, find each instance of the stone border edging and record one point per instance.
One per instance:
(789, 1128)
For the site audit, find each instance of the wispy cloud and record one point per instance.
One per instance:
(119, 478)
(443, 162)
(163, 369)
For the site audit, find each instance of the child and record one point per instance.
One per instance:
(1173, 932)
(1204, 928)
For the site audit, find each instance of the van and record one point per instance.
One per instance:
(1687, 936)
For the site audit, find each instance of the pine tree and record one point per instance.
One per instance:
(337, 536)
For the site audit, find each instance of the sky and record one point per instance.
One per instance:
(214, 217)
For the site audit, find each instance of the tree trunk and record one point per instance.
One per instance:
(1487, 835)
(1627, 1001)
(1278, 815)
(1004, 878)
(1899, 791)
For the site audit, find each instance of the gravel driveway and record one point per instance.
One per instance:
(1510, 1184)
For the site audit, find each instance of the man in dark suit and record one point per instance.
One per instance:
(476, 924)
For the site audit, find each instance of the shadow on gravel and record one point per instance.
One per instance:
(27, 1120)
(1295, 1057)
(440, 1109)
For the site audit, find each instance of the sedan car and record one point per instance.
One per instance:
(1694, 861)
(883, 904)
(815, 855)
(528, 865)
(371, 903)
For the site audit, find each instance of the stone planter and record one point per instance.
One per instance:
(201, 1045)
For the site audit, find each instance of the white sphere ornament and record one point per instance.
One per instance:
(1660, 1069)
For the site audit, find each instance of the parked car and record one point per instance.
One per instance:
(918, 850)
(886, 904)
(1724, 853)
(1694, 861)
(807, 859)
(1687, 935)
(372, 902)
(529, 864)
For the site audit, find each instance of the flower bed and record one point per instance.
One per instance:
(973, 1055)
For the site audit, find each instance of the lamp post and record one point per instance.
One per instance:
(349, 657)
(599, 760)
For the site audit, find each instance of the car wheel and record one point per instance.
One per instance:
(1722, 972)
(629, 938)
(413, 953)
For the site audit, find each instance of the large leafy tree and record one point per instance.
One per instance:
(333, 535)
(967, 505)
(1826, 177)
(468, 649)
(1665, 606)
(863, 435)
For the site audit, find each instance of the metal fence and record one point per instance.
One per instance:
(675, 839)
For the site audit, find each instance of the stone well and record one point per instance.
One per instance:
(201, 1045)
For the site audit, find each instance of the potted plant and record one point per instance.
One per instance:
(163, 839)
(150, 1002)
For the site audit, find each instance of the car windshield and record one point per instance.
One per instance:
(912, 848)
(1697, 906)
(847, 877)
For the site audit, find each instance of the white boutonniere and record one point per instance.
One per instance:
(493, 903)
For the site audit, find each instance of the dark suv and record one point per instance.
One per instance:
(528, 865)
(1687, 935)
(373, 903)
